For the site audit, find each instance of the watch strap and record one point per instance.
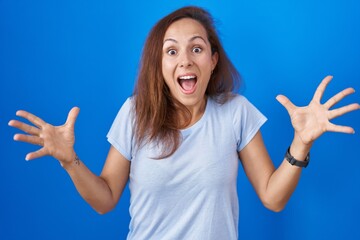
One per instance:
(296, 162)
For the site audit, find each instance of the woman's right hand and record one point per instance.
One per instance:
(56, 141)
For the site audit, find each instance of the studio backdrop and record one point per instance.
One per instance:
(58, 54)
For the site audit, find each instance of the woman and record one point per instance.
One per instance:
(179, 138)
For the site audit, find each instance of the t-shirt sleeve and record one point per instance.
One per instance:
(247, 121)
(120, 135)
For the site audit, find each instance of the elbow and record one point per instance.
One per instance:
(103, 210)
(274, 205)
(101, 206)
(274, 208)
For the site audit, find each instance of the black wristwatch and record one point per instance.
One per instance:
(295, 162)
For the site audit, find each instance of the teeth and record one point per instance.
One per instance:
(187, 77)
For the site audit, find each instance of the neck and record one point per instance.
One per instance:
(197, 111)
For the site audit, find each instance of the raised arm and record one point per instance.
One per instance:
(101, 192)
(275, 186)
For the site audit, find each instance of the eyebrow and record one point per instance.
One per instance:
(190, 40)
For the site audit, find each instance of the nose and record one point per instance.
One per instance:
(185, 60)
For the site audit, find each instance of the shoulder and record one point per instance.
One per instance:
(125, 113)
(236, 106)
(239, 109)
(129, 102)
(127, 107)
(234, 101)
(237, 99)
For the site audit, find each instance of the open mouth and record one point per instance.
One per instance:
(187, 83)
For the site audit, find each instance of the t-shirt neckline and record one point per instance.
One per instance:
(199, 123)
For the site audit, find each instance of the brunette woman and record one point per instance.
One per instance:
(181, 136)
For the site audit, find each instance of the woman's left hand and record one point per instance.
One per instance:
(312, 121)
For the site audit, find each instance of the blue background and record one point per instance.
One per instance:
(59, 54)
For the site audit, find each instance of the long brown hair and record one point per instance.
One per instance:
(156, 111)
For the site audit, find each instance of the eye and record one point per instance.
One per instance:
(171, 52)
(197, 50)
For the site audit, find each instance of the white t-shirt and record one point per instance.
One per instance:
(192, 194)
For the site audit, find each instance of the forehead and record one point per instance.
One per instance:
(185, 28)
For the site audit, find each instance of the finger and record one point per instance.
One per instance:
(39, 153)
(321, 88)
(74, 112)
(335, 99)
(29, 139)
(340, 111)
(341, 129)
(290, 107)
(24, 127)
(31, 117)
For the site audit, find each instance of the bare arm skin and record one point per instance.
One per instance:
(275, 186)
(101, 192)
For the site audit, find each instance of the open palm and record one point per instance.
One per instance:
(312, 121)
(56, 141)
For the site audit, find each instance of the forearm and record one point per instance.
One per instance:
(284, 180)
(93, 189)
(103, 192)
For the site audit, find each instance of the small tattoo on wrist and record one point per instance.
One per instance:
(77, 160)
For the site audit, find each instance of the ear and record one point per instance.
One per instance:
(214, 60)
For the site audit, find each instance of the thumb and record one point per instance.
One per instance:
(74, 112)
(286, 103)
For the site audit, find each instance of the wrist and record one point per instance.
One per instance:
(293, 161)
(299, 149)
(70, 162)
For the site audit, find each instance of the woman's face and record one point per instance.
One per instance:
(187, 62)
